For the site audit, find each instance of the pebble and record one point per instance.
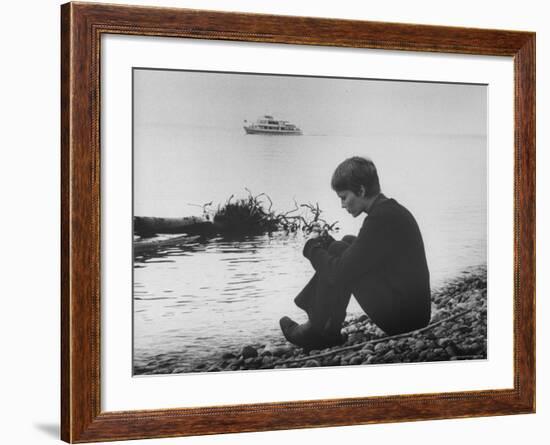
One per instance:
(451, 349)
(431, 356)
(430, 336)
(348, 357)
(438, 316)
(249, 351)
(267, 349)
(367, 350)
(462, 329)
(355, 338)
(279, 351)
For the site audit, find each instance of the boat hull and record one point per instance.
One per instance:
(272, 132)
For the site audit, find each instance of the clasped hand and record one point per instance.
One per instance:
(316, 232)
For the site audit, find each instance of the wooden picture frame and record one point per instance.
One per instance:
(82, 26)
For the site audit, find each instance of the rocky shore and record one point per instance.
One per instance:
(457, 331)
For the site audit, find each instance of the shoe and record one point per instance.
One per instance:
(305, 336)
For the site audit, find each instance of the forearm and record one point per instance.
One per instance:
(364, 253)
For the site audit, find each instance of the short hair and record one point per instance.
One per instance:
(356, 172)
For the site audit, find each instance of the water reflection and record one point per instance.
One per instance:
(218, 292)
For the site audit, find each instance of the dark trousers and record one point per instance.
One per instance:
(394, 313)
(326, 304)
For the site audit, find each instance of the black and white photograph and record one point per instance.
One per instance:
(284, 221)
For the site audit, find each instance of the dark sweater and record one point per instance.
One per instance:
(385, 268)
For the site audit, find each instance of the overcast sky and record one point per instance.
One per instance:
(317, 105)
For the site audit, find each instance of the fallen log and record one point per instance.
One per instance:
(152, 244)
(192, 225)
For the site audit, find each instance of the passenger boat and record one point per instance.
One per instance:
(269, 125)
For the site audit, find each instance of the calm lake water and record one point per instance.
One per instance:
(221, 293)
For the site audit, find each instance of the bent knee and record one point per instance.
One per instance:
(349, 239)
